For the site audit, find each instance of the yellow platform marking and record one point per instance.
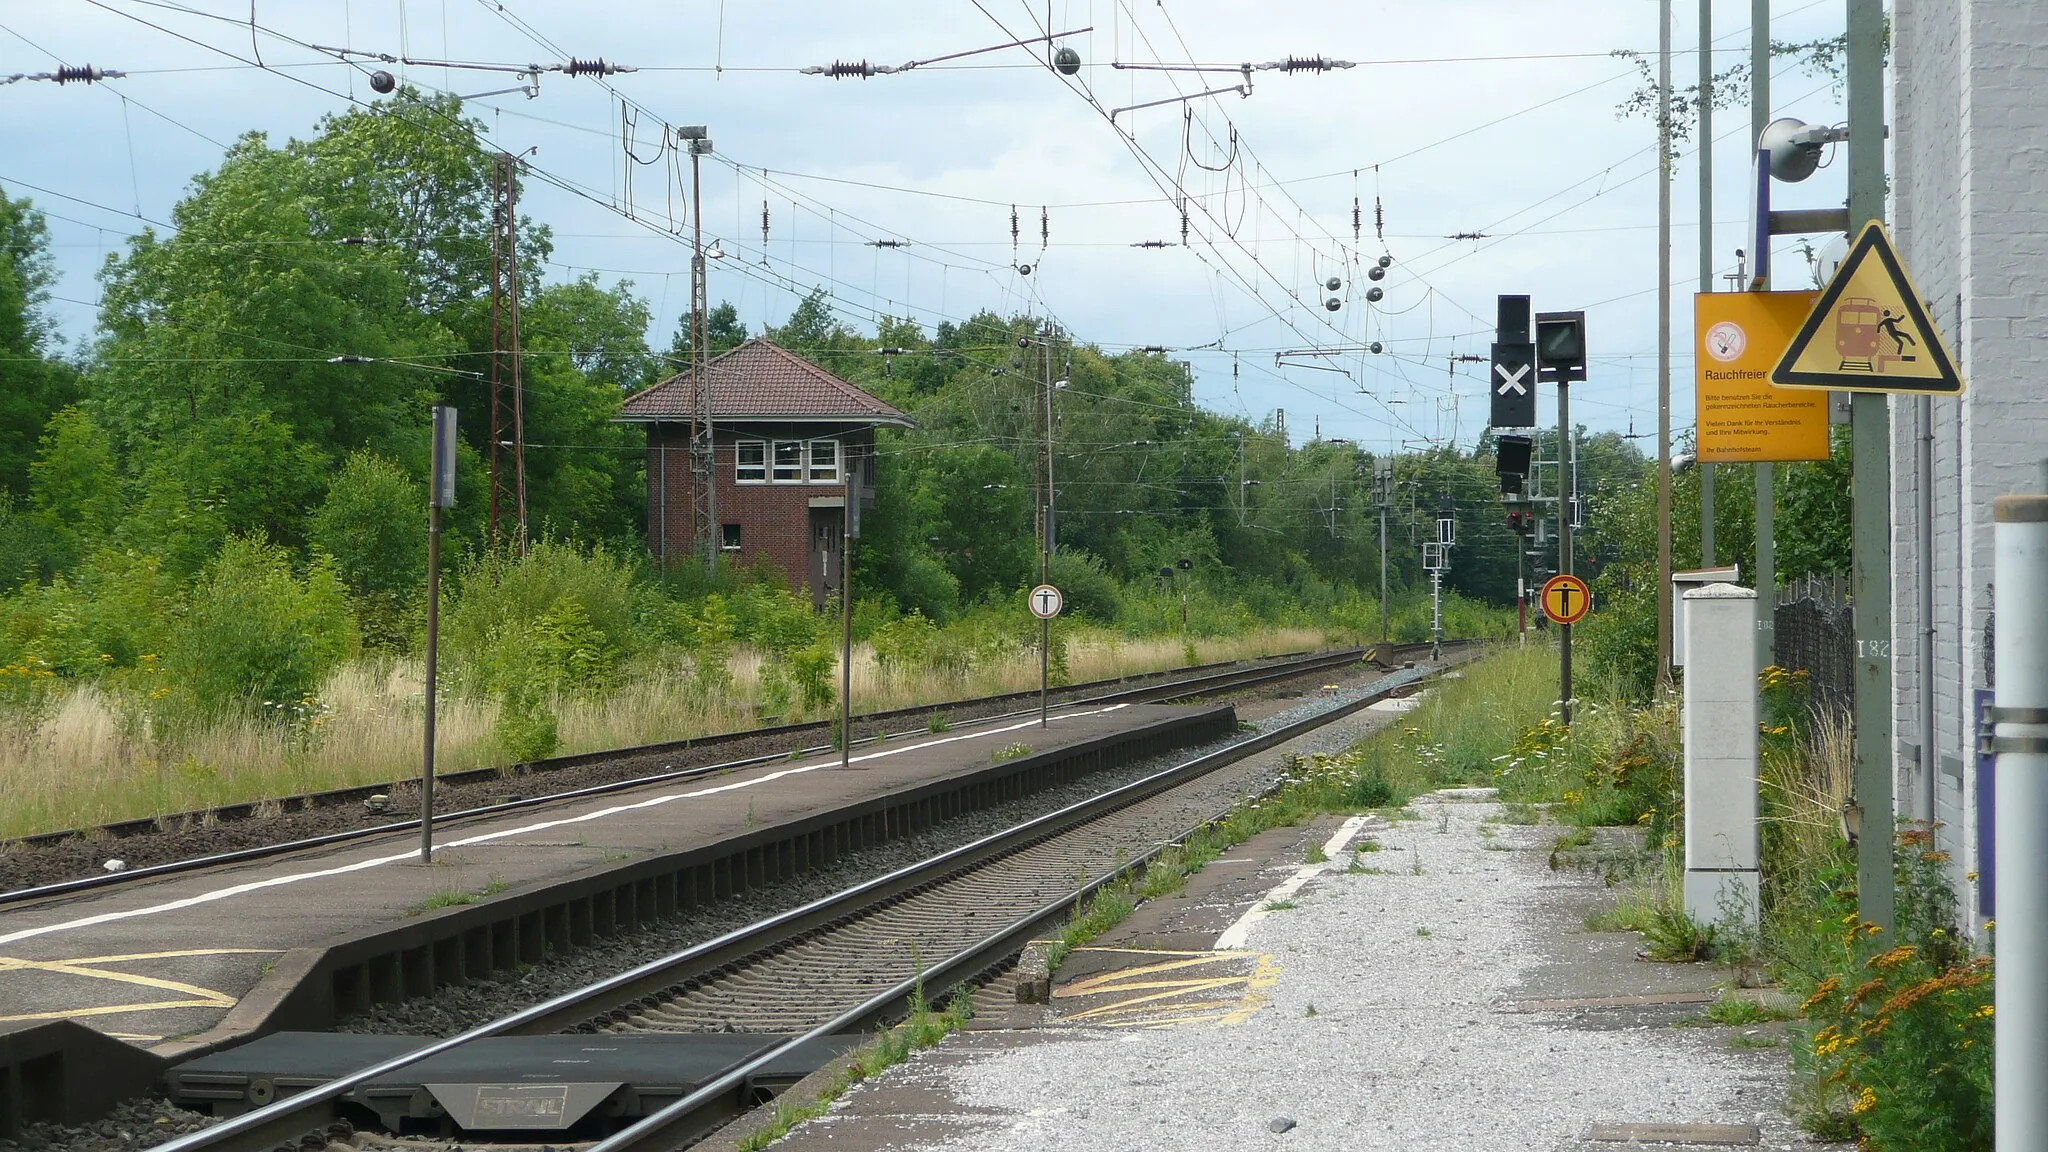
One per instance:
(88, 967)
(1148, 996)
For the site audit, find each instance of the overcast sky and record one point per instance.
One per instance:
(1489, 116)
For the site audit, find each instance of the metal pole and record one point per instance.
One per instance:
(1567, 491)
(1766, 578)
(1870, 532)
(1436, 614)
(1383, 572)
(433, 654)
(2020, 576)
(846, 616)
(700, 295)
(518, 375)
(1045, 557)
(1706, 156)
(1924, 484)
(1663, 344)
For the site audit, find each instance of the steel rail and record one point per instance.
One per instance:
(286, 1120)
(1205, 684)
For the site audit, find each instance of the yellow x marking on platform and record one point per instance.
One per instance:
(88, 966)
(1149, 989)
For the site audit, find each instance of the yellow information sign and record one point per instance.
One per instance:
(1741, 419)
(1869, 332)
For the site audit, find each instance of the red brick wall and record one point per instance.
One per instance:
(774, 519)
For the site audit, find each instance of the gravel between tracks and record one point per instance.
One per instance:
(27, 865)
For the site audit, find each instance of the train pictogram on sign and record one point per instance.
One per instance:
(1566, 599)
(1869, 332)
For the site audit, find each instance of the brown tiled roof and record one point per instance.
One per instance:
(760, 380)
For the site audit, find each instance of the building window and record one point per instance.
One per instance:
(729, 537)
(752, 456)
(789, 462)
(824, 461)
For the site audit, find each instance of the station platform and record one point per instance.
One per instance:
(189, 964)
(1417, 983)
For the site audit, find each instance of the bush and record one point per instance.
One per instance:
(552, 617)
(811, 668)
(373, 524)
(1901, 1047)
(252, 634)
(776, 620)
(1086, 586)
(924, 584)
(526, 730)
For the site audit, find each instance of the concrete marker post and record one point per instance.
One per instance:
(1720, 731)
(2020, 740)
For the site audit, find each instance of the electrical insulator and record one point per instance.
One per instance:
(1332, 284)
(1375, 294)
(383, 82)
(1067, 61)
(1375, 273)
(1386, 262)
(1333, 303)
(1377, 347)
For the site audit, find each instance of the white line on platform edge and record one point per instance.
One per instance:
(1233, 937)
(219, 894)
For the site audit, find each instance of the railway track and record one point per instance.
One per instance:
(841, 964)
(1207, 681)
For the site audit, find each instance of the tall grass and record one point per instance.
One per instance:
(85, 756)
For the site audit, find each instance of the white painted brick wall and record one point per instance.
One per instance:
(1970, 212)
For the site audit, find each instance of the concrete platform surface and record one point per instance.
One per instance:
(169, 958)
(1438, 992)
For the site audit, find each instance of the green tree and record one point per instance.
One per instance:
(33, 382)
(1814, 513)
(722, 331)
(372, 526)
(255, 638)
(74, 486)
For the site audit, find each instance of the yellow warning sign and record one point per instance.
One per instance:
(1869, 332)
(1566, 599)
(1740, 417)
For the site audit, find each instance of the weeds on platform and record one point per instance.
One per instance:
(1098, 914)
(1896, 1049)
(922, 1029)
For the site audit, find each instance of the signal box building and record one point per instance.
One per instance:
(786, 434)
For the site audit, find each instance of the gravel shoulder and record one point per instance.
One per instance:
(1400, 1018)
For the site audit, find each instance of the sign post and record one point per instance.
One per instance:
(441, 495)
(1566, 600)
(850, 532)
(1046, 602)
(1869, 334)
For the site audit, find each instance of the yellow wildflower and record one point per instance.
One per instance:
(1866, 1101)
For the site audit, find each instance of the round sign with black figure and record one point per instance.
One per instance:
(1046, 601)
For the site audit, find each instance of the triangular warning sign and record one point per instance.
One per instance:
(1868, 332)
